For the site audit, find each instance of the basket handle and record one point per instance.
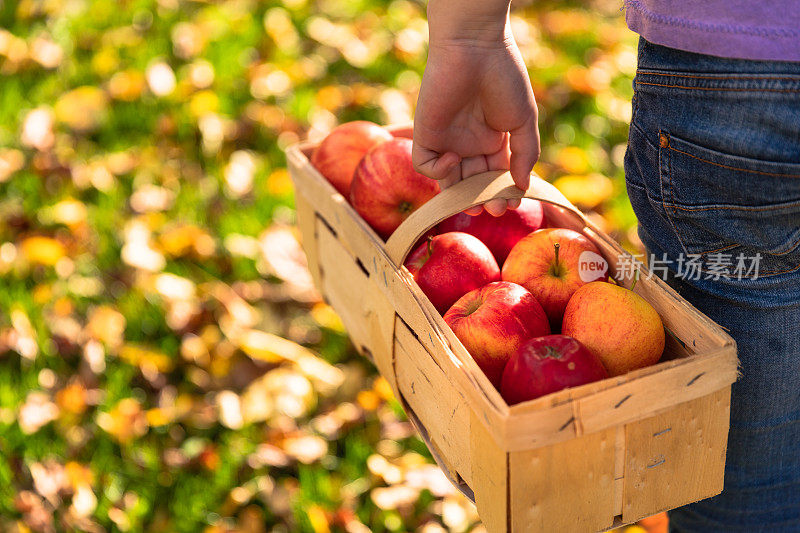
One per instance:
(475, 190)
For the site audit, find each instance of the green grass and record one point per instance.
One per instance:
(99, 436)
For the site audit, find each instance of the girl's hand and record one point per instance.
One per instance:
(476, 110)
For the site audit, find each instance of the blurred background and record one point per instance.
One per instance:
(165, 363)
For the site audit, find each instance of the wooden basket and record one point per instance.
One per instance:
(583, 459)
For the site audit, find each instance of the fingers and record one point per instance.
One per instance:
(444, 167)
(525, 148)
(473, 165)
(501, 159)
(495, 207)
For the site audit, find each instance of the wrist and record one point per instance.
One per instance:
(475, 22)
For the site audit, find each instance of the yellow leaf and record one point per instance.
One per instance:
(42, 250)
(319, 522)
(203, 103)
(127, 85)
(273, 349)
(279, 183)
(573, 160)
(326, 317)
(107, 325)
(588, 190)
(157, 417)
(368, 400)
(125, 422)
(82, 109)
(145, 357)
(42, 293)
(78, 475)
(382, 388)
(72, 398)
(105, 61)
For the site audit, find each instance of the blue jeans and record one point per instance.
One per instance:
(713, 174)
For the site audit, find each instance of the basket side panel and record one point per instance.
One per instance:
(437, 404)
(361, 306)
(307, 223)
(490, 470)
(564, 487)
(676, 457)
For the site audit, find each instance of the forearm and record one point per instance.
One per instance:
(469, 20)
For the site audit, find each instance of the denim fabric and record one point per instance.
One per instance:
(713, 167)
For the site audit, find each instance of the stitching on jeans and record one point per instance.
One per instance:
(776, 174)
(766, 272)
(776, 272)
(630, 183)
(719, 88)
(791, 249)
(644, 135)
(671, 190)
(728, 247)
(735, 207)
(760, 271)
(787, 77)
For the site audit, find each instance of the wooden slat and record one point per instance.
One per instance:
(636, 399)
(677, 457)
(601, 405)
(380, 319)
(565, 487)
(307, 223)
(619, 468)
(435, 401)
(344, 286)
(490, 483)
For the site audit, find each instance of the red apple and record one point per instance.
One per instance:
(493, 321)
(386, 188)
(450, 265)
(338, 154)
(551, 264)
(548, 364)
(617, 325)
(501, 233)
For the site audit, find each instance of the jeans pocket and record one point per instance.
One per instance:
(727, 206)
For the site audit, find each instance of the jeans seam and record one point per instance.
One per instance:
(637, 186)
(728, 167)
(644, 135)
(735, 207)
(719, 88)
(661, 184)
(723, 248)
(691, 76)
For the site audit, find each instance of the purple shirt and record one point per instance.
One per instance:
(744, 29)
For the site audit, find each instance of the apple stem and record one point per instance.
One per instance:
(556, 247)
(552, 352)
(635, 278)
(430, 245)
